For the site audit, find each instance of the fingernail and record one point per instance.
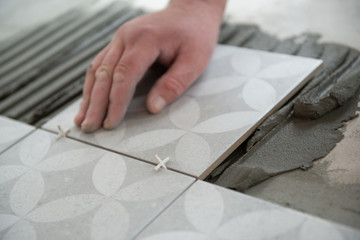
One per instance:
(87, 127)
(106, 124)
(76, 120)
(158, 103)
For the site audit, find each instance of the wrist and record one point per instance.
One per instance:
(213, 9)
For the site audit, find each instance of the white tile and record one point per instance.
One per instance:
(206, 211)
(235, 94)
(12, 131)
(69, 190)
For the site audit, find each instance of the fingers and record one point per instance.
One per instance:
(88, 86)
(182, 73)
(132, 66)
(99, 98)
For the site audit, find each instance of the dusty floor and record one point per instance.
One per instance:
(331, 189)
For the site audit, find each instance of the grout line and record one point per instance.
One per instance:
(162, 211)
(18, 140)
(119, 153)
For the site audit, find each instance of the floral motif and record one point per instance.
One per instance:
(251, 84)
(111, 220)
(204, 209)
(244, 69)
(184, 114)
(108, 176)
(29, 188)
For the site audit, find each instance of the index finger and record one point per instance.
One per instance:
(132, 66)
(88, 85)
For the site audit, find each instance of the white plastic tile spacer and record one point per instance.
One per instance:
(161, 163)
(62, 133)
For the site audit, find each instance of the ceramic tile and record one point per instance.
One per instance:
(206, 211)
(237, 91)
(11, 131)
(65, 189)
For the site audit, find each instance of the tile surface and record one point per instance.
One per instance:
(237, 91)
(206, 211)
(11, 131)
(70, 190)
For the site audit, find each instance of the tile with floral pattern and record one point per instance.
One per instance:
(238, 90)
(12, 131)
(207, 211)
(64, 189)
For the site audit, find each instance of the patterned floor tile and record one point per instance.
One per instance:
(69, 190)
(206, 211)
(12, 131)
(239, 89)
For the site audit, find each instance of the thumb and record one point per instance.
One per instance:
(179, 77)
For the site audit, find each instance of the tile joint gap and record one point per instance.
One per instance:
(163, 210)
(123, 154)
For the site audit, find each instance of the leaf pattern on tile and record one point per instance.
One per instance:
(147, 189)
(23, 230)
(107, 221)
(7, 220)
(184, 113)
(152, 139)
(204, 202)
(217, 85)
(189, 156)
(108, 177)
(9, 172)
(178, 235)
(26, 193)
(246, 63)
(29, 188)
(283, 69)
(65, 208)
(248, 225)
(109, 174)
(259, 95)
(69, 159)
(314, 229)
(35, 148)
(204, 208)
(227, 122)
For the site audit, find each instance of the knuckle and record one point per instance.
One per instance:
(103, 68)
(120, 72)
(174, 86)
(121, 68)
(103, 73)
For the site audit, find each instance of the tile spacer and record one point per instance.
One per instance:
(62, 133)
(161, 163)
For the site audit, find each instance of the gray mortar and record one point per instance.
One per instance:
(294, 143)
(305, 128)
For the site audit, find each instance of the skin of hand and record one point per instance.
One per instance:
(182, 37)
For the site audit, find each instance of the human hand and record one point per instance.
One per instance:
(182, 37)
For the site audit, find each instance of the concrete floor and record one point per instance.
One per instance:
(331, 189)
